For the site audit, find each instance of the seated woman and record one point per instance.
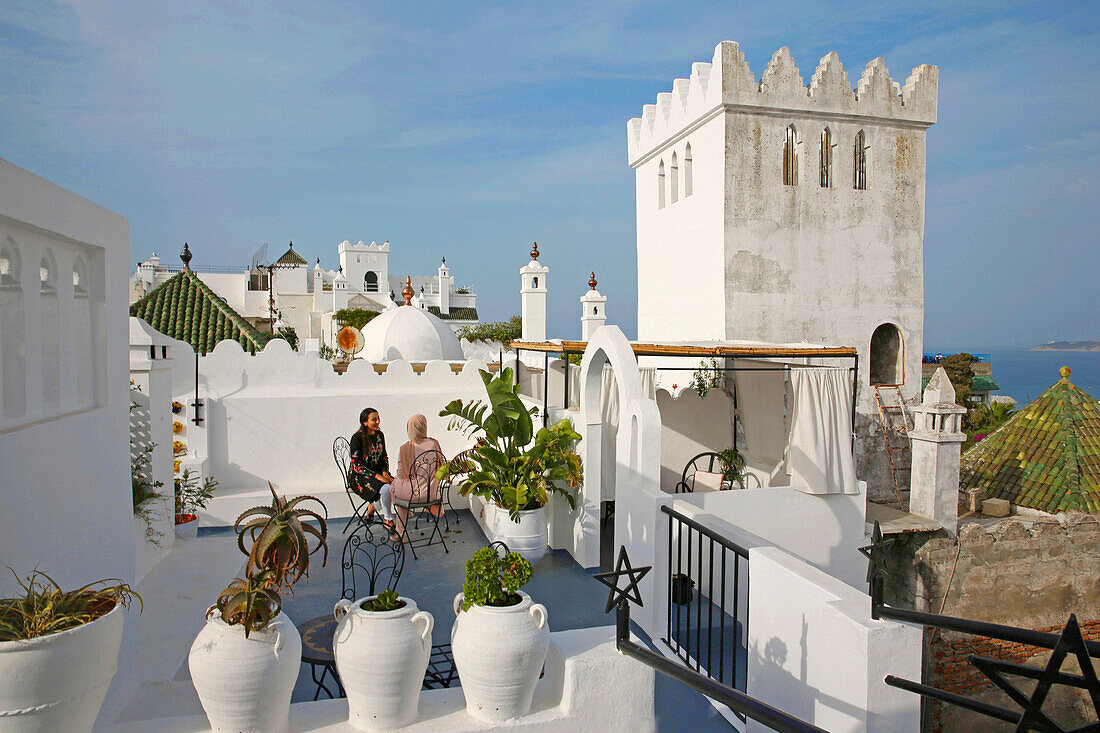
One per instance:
(369, 473)
(404, 487)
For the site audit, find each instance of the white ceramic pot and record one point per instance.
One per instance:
(244, 684)
(528, 537)
(189, 528)
(499, 654)
(57, 682)
(381, 657)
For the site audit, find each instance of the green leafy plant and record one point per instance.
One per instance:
(387, 600)
(192, 495)
(44, 608)
(280, 537)
(512, 465)
(961, 374)
(733, 465)
(706, 377)
(504, 332)
(288, 334)
(250, 602)
(492, 580)
(326, 352)
(143, 489)
(356, 317)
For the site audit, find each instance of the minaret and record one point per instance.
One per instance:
(339, 290)
(533, 297)
(444, 281)
(937, 439)
(593, 310)
(318, 279)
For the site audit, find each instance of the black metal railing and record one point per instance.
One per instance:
(707, 600)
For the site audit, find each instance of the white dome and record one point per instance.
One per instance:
(409, 333)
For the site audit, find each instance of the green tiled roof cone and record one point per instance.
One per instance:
(1046, 457)
(185, 308)
(291, 258)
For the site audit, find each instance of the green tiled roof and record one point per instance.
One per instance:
(983, 382)
(290, 257)
(456, 314)
(185, 308)
(1046, 457)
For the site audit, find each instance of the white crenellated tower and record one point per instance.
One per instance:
(796, 212)
(366, 265)
(593, 310)
(533, 297)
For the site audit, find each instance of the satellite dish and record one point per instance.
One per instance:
(350, 340)
(259, 256)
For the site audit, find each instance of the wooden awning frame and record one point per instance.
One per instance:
(689, 350)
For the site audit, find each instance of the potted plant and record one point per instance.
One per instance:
(733, 467)
(382, 645)
(244, 662)
(515, 469)
(500, 638)
(191, 495)
(58, 652)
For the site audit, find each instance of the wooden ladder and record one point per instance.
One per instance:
(895, 431)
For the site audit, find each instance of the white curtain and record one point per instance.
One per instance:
(819, 452)
(609, 414)
(760, 397)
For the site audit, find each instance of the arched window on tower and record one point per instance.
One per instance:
(860, 168)
(370, 282)
(887, 356)
(674, 182)
(687, 171)
(790, 157)
(826, 154)
(661, 185)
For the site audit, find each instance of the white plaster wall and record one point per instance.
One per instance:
(825, 530)
(691, 425)
(233, 286)
(815, 652)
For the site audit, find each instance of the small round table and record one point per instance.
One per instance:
(317, 636)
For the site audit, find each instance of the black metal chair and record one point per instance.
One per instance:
(368, 558)
(421, 505)
(710, 462)
(461, 466)
(341, 453)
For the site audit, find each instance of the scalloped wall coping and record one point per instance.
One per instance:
(728, 82)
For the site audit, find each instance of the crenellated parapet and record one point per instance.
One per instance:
(360, 247)
(728, 83)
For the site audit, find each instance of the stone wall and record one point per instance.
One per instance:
(1030, 574)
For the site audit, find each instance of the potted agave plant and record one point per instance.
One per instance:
(382, 645)
(58, 653)
(245, 660)
(191, 496)
(515, 469)
(500, 637)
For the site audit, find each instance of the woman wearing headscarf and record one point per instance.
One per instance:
(369, 473)
(404, 488)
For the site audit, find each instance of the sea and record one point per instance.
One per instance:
(1024, 375)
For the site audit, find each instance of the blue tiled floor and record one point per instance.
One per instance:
(572, 597)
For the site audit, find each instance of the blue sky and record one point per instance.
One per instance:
(467, 131)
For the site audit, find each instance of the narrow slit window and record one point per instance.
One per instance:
(790, 157)
(687, 171)
(661, 185)
(827, 146)
(674, 183)
(860, 168)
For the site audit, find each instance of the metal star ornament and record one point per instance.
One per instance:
(611, 580)
(876, 554)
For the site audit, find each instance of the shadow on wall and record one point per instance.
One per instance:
(691, 425)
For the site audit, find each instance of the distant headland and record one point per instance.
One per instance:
(1068, 346)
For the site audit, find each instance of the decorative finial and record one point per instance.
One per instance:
(444, 260)
(1064, 371)
(592, 281)
(407, 292)
(185, 256)
(318, 260)
(535, 250)
(292, 245)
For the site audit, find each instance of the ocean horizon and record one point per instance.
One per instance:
(1024, 374)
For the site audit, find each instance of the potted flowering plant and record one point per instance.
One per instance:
(514, 468)
(245, 660)
(58, 652)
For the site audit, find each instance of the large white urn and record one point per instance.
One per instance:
(57, 682)
(498, 653)
(244, 684)
(528, 537)
(381, 657)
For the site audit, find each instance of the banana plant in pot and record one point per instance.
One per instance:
(499, 638)
(515, 469)
(245, 660)
(58, 653)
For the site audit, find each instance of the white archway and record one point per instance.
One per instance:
(638, 452)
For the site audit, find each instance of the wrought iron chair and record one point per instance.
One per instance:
(461, 466)
(422, 505)
(710, 462)
(370, 562)
(341, 453)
